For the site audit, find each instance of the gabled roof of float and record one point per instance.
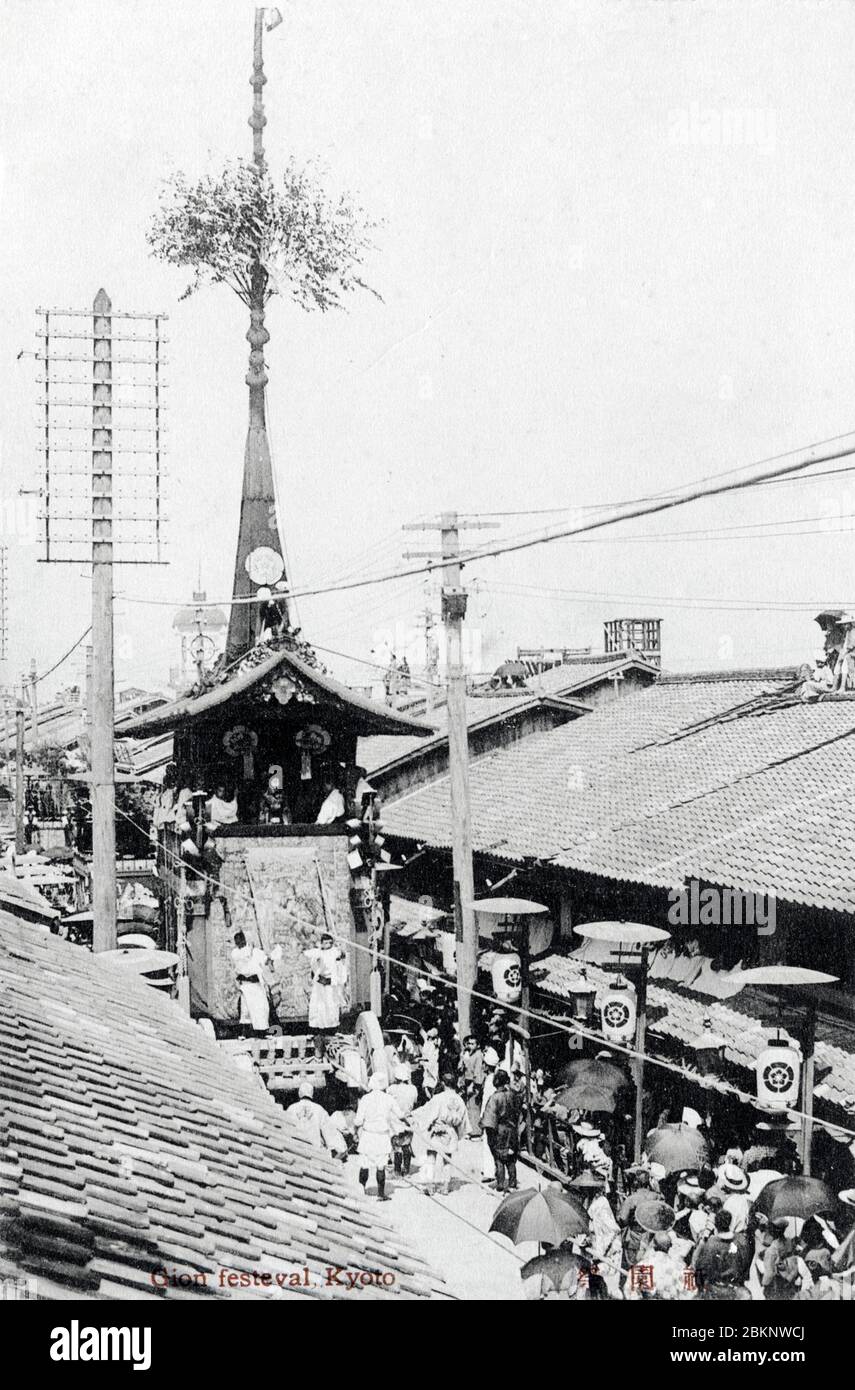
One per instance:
(366, 716)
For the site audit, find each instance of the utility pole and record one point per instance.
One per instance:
(431, 654)
(453, 614)
(102, 756)
(19, 775)
(112, 392)
(34, 700)
(808, 1081)
(7, 752)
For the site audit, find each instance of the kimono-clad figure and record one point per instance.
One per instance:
(605, 1236)
(440, 1125)
(471, 1072)
(313, 1124)
(491, 1062)
(250, 964)
(329, 984)
(377, 1119)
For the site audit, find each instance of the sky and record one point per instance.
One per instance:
(614, 257)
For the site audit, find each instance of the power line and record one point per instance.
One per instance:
(724, 606)
(650, 508)
(577, 1029)
(49, 672)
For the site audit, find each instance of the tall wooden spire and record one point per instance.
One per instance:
(259, 560)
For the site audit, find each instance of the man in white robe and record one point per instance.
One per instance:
(250, 964)
(332, 807)
(313, 1124)
(377, 1119)
(329, 980)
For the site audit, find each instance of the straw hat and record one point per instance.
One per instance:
(587, 1131)
(732, 1178)
(305, 1090)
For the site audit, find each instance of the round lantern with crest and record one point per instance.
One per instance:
(779, 1067)
(241, 742)
(778, 1070)
(619, 1010)
(311, 741)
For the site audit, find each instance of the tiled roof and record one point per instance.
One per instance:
(581, 672)
(377, 752)
(129, 1143)
(20, 900)
(740, 1022)
(363, 713)
(706, 778)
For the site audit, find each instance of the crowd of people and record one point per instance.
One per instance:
(653, 1231)
(704, 1235)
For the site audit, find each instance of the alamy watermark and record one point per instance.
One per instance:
(694, 906)
(728, 127)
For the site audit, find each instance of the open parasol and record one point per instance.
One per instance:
(654, 1214)
(507, 907)
(780, 975)
(676, 1148)
(593, 1070)
(549, 1216)
(588, 1096)
(623, 933)
(796, 1196)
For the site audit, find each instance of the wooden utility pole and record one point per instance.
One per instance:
(102, 756)
(453, 614)
(105, 418)
(7, 751)
(34, 700)
(431, 664)
(19, 775)
(638, 1067)
(808, 1078)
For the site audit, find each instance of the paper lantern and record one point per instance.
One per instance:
(506, 971)
(778, 1069)
(618, 1009)
(582, 995)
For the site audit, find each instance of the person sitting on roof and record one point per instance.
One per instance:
(819, 679)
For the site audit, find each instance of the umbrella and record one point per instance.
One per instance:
(676, 1148)
(141, 962)
(760, 1178)
(798, 1196)
(549, 1216)
(654, 1214)
(559, 1268)
(587, 1096)
(627, 934)
(593, 1070)
(781, 975)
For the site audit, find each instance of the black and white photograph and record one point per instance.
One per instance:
(427, 668)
